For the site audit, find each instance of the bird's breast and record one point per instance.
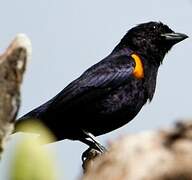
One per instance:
(126, 99)
(118, 108)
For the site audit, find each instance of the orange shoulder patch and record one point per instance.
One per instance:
(138, 71)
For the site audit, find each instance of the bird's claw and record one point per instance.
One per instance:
(89, 155)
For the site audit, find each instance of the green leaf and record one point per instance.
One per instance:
(32, 161)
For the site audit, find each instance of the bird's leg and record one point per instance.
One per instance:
(93, 143)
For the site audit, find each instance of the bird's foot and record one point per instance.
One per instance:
(89, 155)
(93, 142)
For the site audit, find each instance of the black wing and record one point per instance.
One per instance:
(96, 81)
(92, 84)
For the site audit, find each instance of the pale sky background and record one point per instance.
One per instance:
(69, 36)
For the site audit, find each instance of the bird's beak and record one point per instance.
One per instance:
(174, 37)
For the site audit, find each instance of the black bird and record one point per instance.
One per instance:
(110, 93)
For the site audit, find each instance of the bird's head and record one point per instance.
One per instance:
(153, 39)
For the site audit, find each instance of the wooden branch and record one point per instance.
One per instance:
(12, 67)
(153, 155)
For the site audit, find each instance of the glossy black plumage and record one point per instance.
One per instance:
(108, 95)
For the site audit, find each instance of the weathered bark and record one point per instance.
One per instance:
(152, 155)
(12, 67)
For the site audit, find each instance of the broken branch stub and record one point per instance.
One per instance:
(12, 67)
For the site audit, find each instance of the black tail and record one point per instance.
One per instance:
(32, 116)
(27, 119)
